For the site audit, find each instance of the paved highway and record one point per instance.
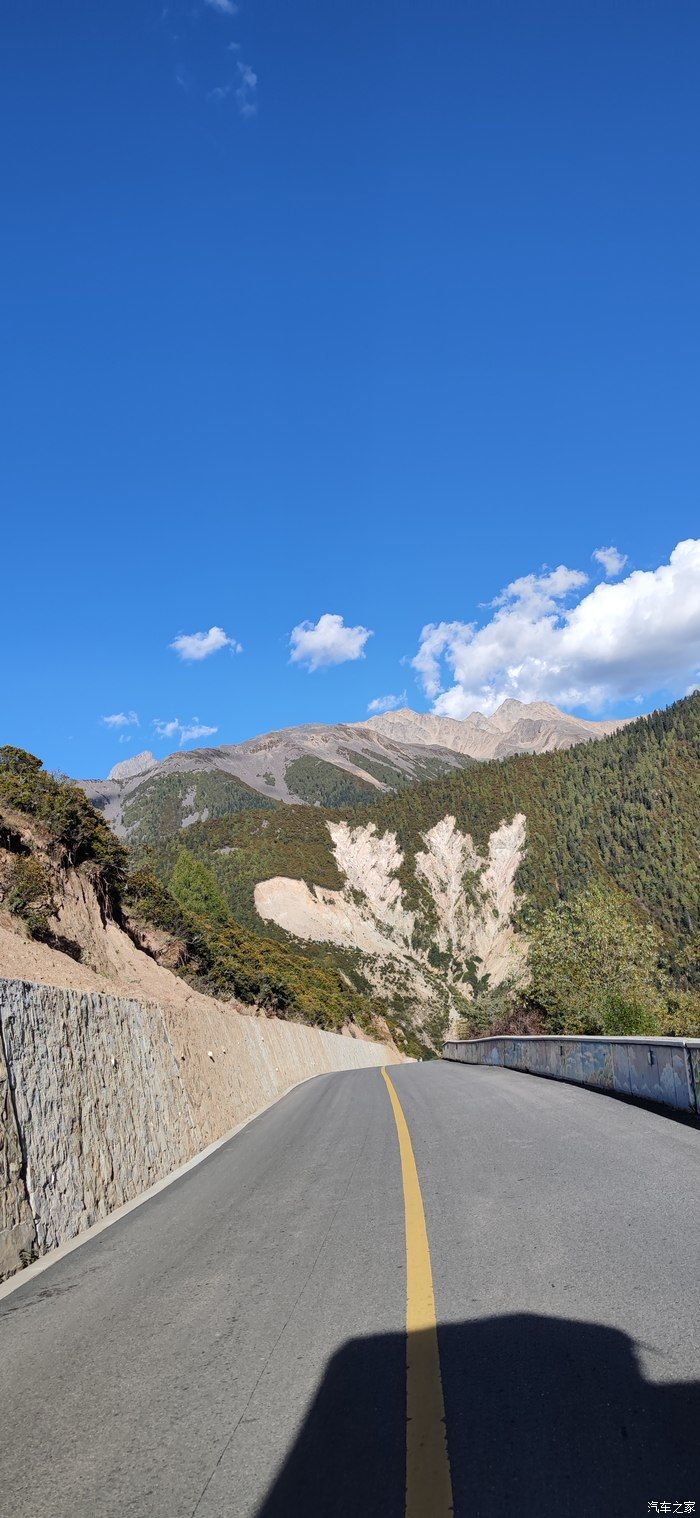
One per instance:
(237, 1345)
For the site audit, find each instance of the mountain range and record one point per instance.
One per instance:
(435, 900)
(516, 727)
(145, 799)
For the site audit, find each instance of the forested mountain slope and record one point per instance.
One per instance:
(626, 810)
(483, 893)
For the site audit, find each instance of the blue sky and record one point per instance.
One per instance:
(361, 312)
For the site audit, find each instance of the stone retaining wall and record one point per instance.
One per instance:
(100, 1097)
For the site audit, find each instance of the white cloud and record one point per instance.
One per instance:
(438, 639)
(326, 642)
(183, 731)
(540, 592)
(199, 645)
(387, 703)
(612, 560)
(225, 7)
(246, 92)
(121, 719)
(617, 642)
(166, 729)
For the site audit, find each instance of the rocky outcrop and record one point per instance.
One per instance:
(101, 1096)
(138, 765)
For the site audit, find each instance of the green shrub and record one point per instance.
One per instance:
(65, 812)
(196, 891)
(30, 896)
(596, 966)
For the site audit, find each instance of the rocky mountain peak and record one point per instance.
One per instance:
(138, 765)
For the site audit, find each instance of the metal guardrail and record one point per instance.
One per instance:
(664, 1070)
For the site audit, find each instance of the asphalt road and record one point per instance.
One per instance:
(236, 1346)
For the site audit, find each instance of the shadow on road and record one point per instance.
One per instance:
(544, 1417)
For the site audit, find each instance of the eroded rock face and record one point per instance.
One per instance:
(467, 917)
(446, 865)
(496, 945)
(368, 914)
(370, 861)
(320, 915)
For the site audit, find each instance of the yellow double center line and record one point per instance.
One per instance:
(428, 1483)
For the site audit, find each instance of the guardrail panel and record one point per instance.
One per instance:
(662, 1070)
